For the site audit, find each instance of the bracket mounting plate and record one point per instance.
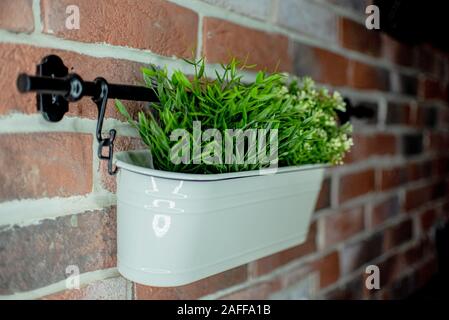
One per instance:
(52, 107)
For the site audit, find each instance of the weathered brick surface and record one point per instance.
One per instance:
(107, 289)
(416, 197)
(17, 15)
(321, 65)
(427, 220)
(398, 234)
(160, 26)
(329, 269)
(366, 146)
(355, 36)
(385, 210)
(404, 84)
(38, 255)
(17, 59)
(194, 290)
(45, 165)
(392, 177)
(356, 184)
(398, 114)
(274, 261)
(224, 40)
(341, 226)
(308, 18)
(356, 254)
(397, 52)
(369, 77)
(432, 89)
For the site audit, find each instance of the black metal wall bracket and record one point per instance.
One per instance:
(56, 88)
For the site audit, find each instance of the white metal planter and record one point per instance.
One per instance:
(176, 228)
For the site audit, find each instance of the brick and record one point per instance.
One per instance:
(37, 255)
(107, 289)
(390, 269)
(366, 146)
(440, 166)
(329, 269)
(224, 40)
(402, 288)
(321, 65)
(398, 113)
(17, 15)
(259, 291)
(392, 178)
(427, 220)
(419, 170)
(425, 272)
(398, 234)
(356, 184)
(194, 290)
(274, 261)
(159, 26)
(343, 225)
(412, 144)
(355, 36)
(432, 89)
(304, 289)
(438, 141)
(417, 252)
(45, 165)
(16, 59)
(354, 255)
(324, 197)
(397, 52)
(385, 210)
(308, 18)
(404, 84)
(427, 117)
(368, 77)
(415, 198)
(351, 290)
(259, 9)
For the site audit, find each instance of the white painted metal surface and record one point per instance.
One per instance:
(176, 228)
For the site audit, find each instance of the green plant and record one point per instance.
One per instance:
(305, 116)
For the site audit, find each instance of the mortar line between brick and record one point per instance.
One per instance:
(31, 211)
(38, 26)
(199, 40)
(85, 278)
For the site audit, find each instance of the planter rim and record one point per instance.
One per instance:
(124, 162)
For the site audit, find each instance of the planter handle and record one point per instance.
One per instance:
(101, 102)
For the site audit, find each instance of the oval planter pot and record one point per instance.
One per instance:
(176, 228)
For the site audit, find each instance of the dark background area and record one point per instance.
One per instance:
(416, 22)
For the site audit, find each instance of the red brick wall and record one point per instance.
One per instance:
(57, 204)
